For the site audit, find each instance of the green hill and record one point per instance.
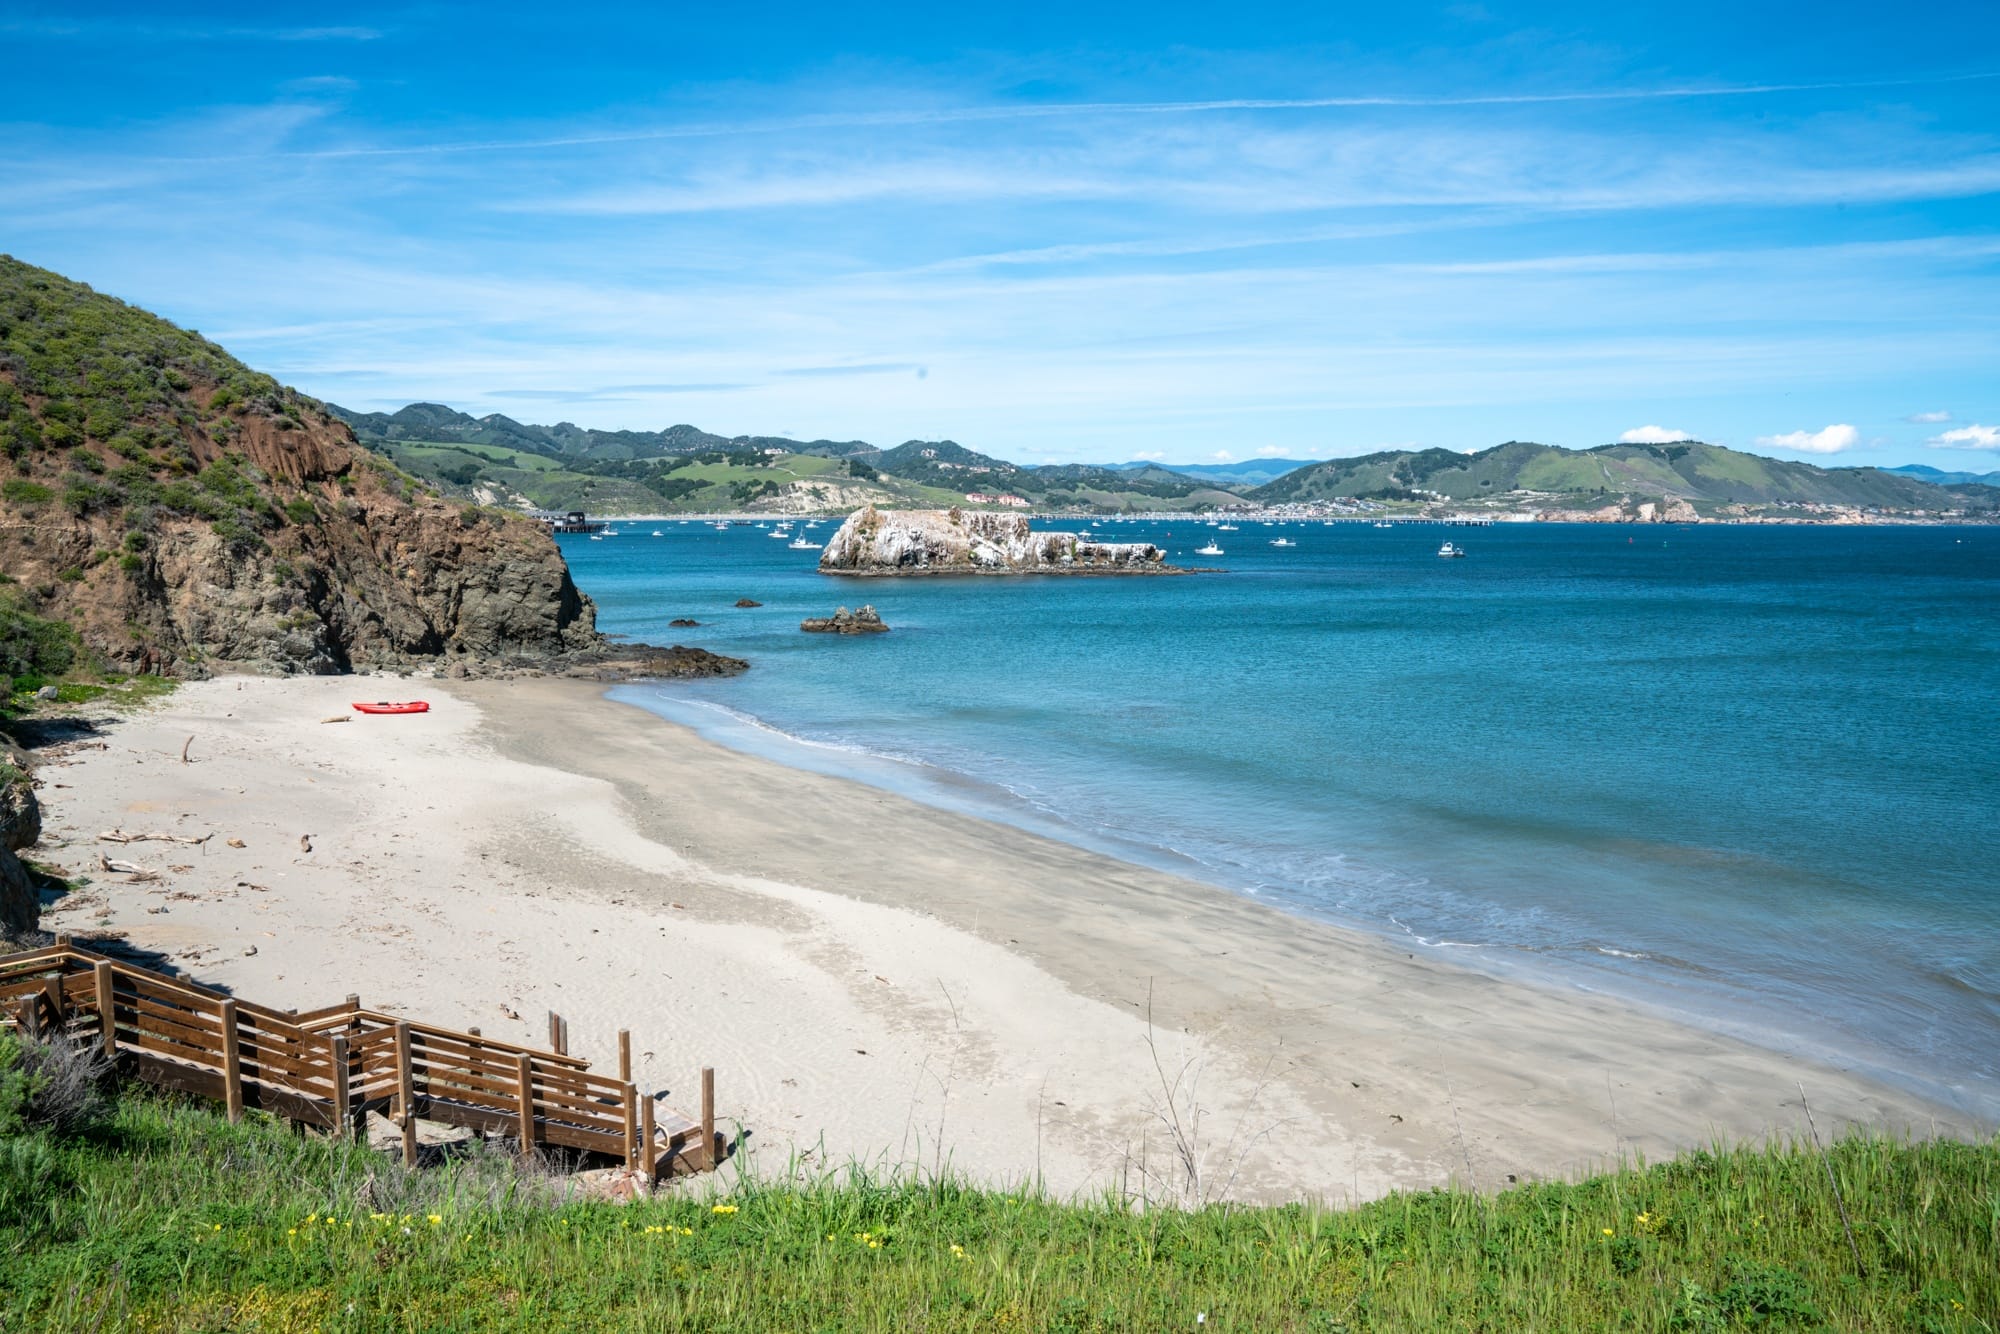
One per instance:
(1519, 471)
(495, 459)
(182, 510)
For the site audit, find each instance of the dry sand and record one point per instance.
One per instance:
(873, 979)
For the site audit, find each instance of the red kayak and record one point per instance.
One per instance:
(384, 706)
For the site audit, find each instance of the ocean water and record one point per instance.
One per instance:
(1750, 776)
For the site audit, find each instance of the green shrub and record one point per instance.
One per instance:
(301, 510)
(19, 1083)
(24, 492)
(131, 562)
(83, 495)
(241, 538)
(33, 645)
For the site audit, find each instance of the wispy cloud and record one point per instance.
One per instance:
(1928, 418)
(867, 368)
(103, 29)
(610, 393)
(1826, 440)
(1974, 436)
(944, 116)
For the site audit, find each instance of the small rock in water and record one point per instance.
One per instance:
(845, 622)
(748, 602)
(683, 620)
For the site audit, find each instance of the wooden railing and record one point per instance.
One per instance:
(330, 1067)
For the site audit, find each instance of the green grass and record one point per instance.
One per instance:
(170, 1218)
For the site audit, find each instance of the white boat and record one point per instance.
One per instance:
(1283, 542)
(804, 544)
(1450, 552)
(1210, 550)
(1226, 528)
(1384, 523)
(780, 533)
(658, 533)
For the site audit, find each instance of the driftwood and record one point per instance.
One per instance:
(154, 836)
(133, 869)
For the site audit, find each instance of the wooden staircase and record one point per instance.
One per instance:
(329, 1068)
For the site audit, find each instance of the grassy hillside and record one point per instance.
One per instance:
(179, 509)
(162, 1216)
(495, 459)
(1689, 470)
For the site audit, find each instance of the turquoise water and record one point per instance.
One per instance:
(1748, 775)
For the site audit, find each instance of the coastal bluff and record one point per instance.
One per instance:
(955, 541)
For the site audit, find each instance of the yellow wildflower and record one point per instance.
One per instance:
(435, 1219)
(723, 1209)
(1609, 1232)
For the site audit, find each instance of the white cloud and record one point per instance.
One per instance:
(1829, 441)
(1928, 418)
(1223, 456)
(1270, 451)
(1149, 455)
(1652, 435)
(1974, 436)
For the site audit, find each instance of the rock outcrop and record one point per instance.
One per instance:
(844, 622)
(20, 826)
(954, 541)
(186, 513)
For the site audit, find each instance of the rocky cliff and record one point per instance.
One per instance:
(184, 512)
(904, 542)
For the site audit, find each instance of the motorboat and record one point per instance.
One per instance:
(1210, 550)
(804, 544)
(1451, 552)
(1283, 542)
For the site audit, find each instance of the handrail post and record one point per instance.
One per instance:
(232, 1063)
(342, 1104)
(107, 1013)
(524, 1093)
(647, 1128)
(708, 1116)
(631, 1100)
(625, 1055)
(406, 1094)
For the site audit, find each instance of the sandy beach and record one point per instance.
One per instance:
(873, 979)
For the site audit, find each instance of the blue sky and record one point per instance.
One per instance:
(1079, 232)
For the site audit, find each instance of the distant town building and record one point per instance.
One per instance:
(981, 498)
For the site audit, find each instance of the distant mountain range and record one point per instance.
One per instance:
(1250, 472)
(565, 465)
(1932, 475)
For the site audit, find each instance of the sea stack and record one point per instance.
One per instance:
(867, 621)
(955, 541)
